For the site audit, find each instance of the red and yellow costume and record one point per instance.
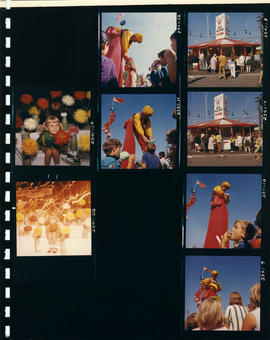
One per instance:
(208, 287)
(218, 220)
(119, 45)
(138, 125)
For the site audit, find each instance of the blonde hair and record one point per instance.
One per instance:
(255, 295)
(248, 228)
(210, 315)
(49, 119)
(236, 299)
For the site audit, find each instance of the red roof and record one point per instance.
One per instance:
(222, 122)
(224, 42)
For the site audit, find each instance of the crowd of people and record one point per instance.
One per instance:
(212, 143)
(139, 127)
(236, 64)
(210, 316)
(115, 44)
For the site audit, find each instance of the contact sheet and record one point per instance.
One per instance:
(135, 171)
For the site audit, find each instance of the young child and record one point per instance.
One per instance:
(163, 161)
(50, 128)
(108, 73)
(52, 231)
(112, 149)
(149, 159)
(241, 234)
(131, 79)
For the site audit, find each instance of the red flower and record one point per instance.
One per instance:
(43, 103)
(55, 94)
(73, 129)
(79, 95)
(61, 137)
(19, 122)
(26, 98)
(55, 105)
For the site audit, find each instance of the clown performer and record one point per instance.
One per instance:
(209, 287)
(140, 126)
(218, 221)
(120, 42)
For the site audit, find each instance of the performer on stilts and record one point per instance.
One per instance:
(208, 287)
(218, 221)
(139, 126)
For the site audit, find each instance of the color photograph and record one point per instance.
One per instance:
(53, 218)
(52, 127)
(225, 49)
(225, 129)
(223, 211)
(222, 293)
(139, 131)
(138, 50)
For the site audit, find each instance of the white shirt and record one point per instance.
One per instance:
(257, 314)
(235, 315)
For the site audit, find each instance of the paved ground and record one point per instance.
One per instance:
(205, 79)
(223, 159)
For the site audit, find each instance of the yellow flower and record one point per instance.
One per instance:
(34, 110)
(19, 217)
(89, 113)
(81, 116)
(87, 211)
(29, 147)
(82, 202)
(88, 95)
(79, 213)
(84, 143)
(37, 231)
(70, 216)
(66, 230)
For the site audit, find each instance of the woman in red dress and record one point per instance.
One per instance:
(218, 221)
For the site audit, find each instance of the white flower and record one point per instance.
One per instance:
(68, 100)
(66, 206)
(30, 124)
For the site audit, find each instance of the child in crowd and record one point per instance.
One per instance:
(45, 141)
(210, 316)
(108, 73)
(163, 161)
(112, 149)
(149, 159)
(241, 234)
(235, 312)
(191, 322)
(130, 68)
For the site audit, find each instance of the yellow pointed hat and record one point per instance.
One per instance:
(148, 110)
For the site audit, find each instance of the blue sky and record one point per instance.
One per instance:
(156, 29)
(202, 102)
(161, 121)
(245, 201)
(236, 273)
(239, 22)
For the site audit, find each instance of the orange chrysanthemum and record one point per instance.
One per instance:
(55, 105)
(55, 94)
(79, 95)
(29, 147)
(61, 137)
(26, 98)
(43, 103)
(19, 122)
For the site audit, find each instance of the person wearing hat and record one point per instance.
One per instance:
(219, 216)
(139, 126)
(120, 42)
(209, 287)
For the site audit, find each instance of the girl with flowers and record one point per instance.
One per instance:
(51, 138)
(52, 232)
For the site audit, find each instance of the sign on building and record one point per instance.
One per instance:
(222, 26)
(221, 106)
